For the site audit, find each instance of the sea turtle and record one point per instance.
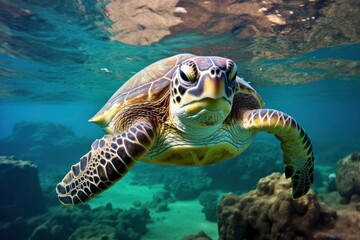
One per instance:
(184, 110)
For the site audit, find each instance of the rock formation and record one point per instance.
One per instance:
(348, 175)
(269, 212)
(37, 141)
(199, 236)
(80, 222)
(185, 187)
(21, 193)
(209, 200)
(160, 201)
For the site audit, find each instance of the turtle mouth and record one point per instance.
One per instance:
(209, 104)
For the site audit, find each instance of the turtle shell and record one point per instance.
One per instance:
(148, 85)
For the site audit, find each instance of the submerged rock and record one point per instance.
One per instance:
(199, 236)
(85, 223)
(99, 232)
(161, 200)
(269, 212)
(44, 143)
(348, 175)
(209, 200)
(188, 185)
(21, 193)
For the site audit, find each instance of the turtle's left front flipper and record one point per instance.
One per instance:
(109, 159)
(298, 154)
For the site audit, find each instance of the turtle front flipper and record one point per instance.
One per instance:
(296, 145)
(109, 159)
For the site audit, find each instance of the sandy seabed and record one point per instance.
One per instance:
(182, 218)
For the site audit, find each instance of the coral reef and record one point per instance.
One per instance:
(160, 201)
(348, 175)
(15, 230)
(199, 236)
(44, 143)
(95, 233)
(50, 146)
(189, 186)
(269, 212)
(209, 200)
(347, 223)
(21, 193)
(81, 222)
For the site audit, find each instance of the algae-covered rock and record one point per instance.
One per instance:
(136, 219)
(348, 175)
(43, 143)
(187, 185)
(161, 200)
(209, 200)
(95, 232)
(269, 212)
(199, 236)
(21, 193)
(82, 222)
(15, 230)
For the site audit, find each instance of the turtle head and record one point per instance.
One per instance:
(202, 92)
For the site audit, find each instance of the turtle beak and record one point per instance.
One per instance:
(214, 87)
(212, 96)
(210, 87)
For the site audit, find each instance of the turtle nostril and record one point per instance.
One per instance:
(214, 71)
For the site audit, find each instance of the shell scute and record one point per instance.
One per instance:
(146, 86)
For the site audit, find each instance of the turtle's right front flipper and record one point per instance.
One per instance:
(109, 159)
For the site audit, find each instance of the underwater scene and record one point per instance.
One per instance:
(158, 171)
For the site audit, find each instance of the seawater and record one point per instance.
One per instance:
(64, 75)
(328, 110)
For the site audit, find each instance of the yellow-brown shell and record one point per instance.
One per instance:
(148, 85)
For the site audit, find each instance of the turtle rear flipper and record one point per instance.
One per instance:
(296, 145)
(109, 159)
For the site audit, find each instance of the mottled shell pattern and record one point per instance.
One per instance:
(148, 85)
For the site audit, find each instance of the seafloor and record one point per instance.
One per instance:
(223, 201)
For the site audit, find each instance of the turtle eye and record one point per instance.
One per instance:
(188, 72)
(231, 71)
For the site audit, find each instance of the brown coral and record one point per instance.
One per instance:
(348, 175)
(269, 212)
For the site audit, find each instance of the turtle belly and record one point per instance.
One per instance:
(197, 153)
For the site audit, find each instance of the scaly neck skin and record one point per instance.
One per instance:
(195, 130)
(198, 126)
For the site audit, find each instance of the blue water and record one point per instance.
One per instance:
(57, 66)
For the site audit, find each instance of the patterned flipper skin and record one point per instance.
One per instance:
(109, 159)
(295, 143)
